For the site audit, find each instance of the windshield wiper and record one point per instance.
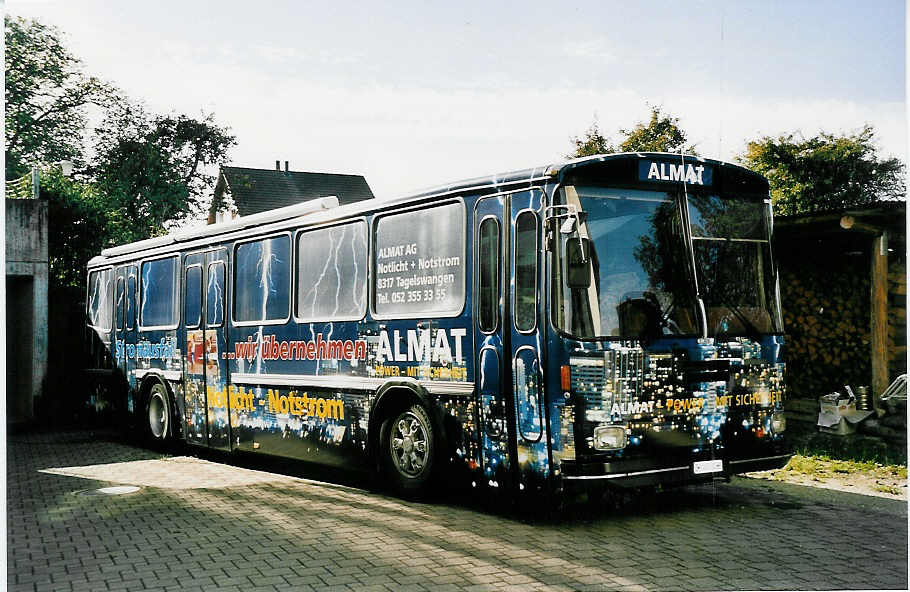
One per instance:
(752, 332)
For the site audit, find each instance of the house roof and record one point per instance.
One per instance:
(258, 190)
(870, 219)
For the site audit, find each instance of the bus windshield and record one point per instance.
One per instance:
(630, 242)
(733, 263)
(634, 251)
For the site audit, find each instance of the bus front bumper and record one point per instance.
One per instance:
(633, 473)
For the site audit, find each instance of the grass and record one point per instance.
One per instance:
(807, 441)
(824, 467)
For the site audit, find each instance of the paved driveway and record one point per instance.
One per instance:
(198, 524)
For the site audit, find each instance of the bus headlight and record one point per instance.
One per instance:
(610, 437)
(778, 422)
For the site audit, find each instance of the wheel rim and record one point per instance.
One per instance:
(157, 414)
(408, 445)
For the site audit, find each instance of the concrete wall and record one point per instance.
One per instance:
(27, 318)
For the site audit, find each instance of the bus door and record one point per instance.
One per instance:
(523, 332)
(119, 339)
(507, 332)
(215, 348)
(205, 391)
(493, 391)
(125, 320)
(194, 395)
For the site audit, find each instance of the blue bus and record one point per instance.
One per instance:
(609, 320)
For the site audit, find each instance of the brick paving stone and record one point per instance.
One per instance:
(315, 581)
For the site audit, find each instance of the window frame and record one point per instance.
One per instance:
(499, 283)
(119, 311)
(205, 295)
(538, 376)
(295, 293)
(176, 294)
(234, 278)
(554, 261)
(132, 320)
(88, 288)
(536, 281)
(186, 269)
(464, 253)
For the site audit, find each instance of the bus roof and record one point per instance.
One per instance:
(311, 210)
(561, 169)
(186, 235)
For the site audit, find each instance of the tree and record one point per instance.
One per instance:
(661, 134)
(825, 172)
(154, 169)
(145, 172)
(590, 143)
(77, 217)
(47, 97)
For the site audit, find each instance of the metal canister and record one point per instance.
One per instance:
(863, 403)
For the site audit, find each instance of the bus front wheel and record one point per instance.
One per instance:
(159, 416)
(408, 450)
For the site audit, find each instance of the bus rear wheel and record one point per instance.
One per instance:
(159, 416)
(408, 450)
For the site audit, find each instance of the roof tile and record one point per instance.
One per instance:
(258, 190)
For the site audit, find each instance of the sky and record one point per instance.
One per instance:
(416, 94)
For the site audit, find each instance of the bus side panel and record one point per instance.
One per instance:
(287, 414)
(459, 415)
(282, 397)
(324, 426)
(157, 354)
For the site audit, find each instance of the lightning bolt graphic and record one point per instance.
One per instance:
(337, 274)
(315, 289)
(145, 288)
(215, 293)
(358, 303)
(264, 265)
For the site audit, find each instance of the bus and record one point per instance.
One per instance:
(609, 320)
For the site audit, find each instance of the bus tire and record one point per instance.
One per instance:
(158, 413)
(408, 450)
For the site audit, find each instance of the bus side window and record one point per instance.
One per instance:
(120, 303)
(488, 277)
(159, 305)
(192, 302)
(262, 281)
(526, 271)
(100, 299)
(332, 273)
(418, 262)
(131, 303)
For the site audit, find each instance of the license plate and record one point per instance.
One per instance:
(700, 467)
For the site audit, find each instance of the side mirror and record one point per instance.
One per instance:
(578, 262)
(568, 227)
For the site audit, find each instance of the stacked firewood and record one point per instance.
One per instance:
(897, 317)
(891, 426)
(826, 318)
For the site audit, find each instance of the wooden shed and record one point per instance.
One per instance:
(844, 292)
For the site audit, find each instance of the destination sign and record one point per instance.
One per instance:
(694, 173)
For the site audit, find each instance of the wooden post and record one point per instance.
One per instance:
(879, 314)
